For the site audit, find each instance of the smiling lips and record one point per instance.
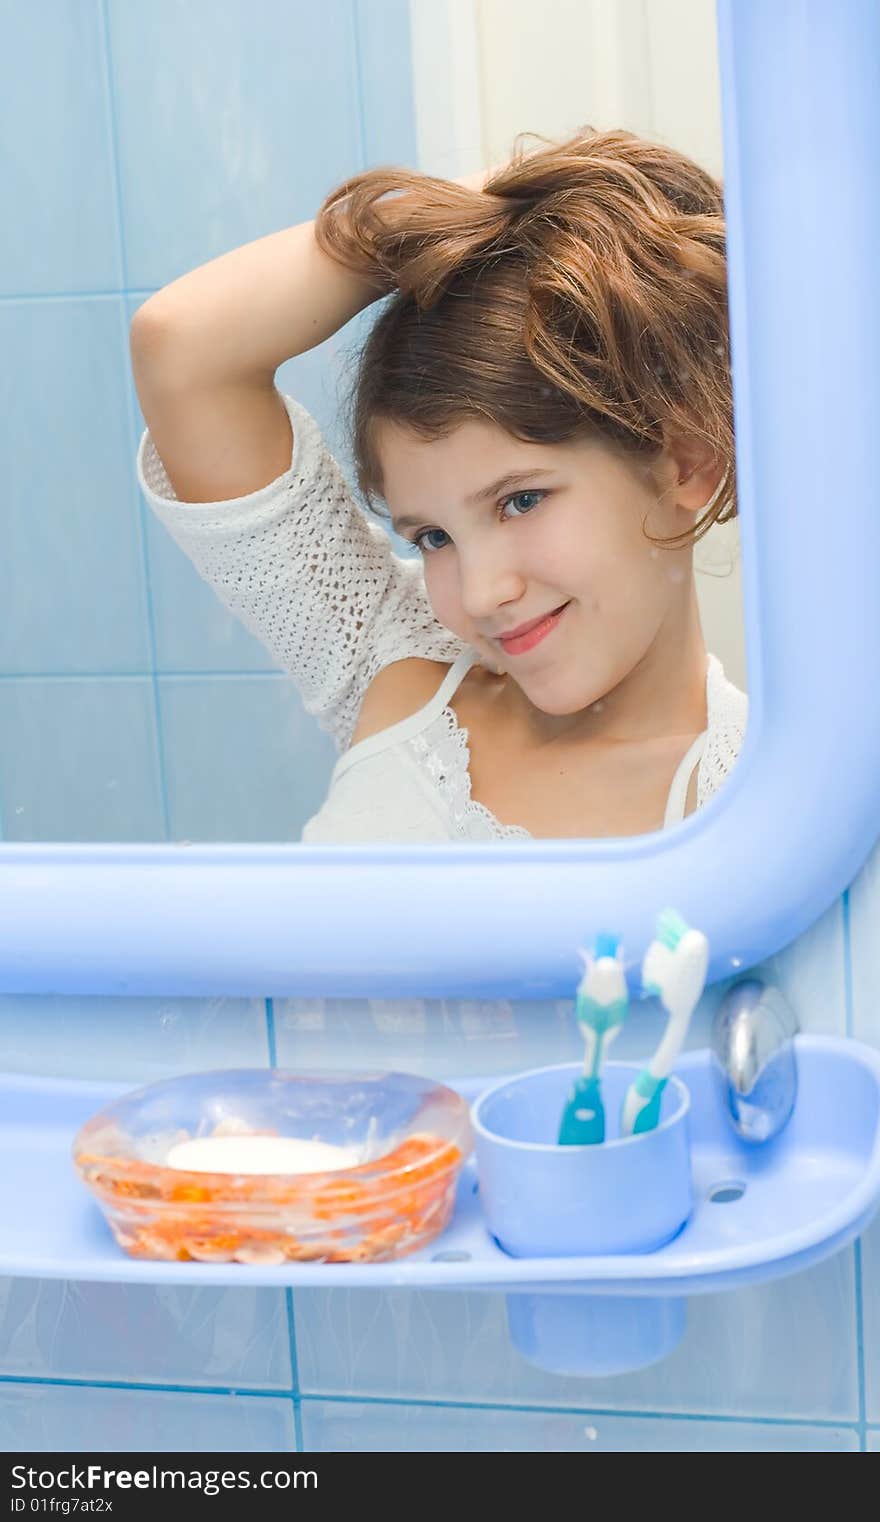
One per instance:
(531, 634)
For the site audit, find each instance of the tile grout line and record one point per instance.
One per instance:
(113, 134)
(23, 298)
(70, 1382)
(141, 676)
(288, 1293)
(857, 1246)
(610, 1411)
(270, 1033)
(238, 1390)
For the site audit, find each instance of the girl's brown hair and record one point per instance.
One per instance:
(581, 294)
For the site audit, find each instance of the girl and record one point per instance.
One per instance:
(544, 405)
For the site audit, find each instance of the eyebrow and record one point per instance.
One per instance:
(492, 490)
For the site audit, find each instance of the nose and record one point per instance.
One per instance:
(487, 578)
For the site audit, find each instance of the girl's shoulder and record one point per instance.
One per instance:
(396, 692)
(400, 689)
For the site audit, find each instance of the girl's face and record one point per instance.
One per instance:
(563, 532)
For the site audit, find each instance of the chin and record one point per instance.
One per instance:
(560, 704)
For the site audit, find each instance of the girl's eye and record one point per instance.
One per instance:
(534, 493)
(421, 541)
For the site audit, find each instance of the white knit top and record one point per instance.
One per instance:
(302, 566)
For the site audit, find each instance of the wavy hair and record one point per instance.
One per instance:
(581, 294)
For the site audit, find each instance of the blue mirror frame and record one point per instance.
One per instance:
(800, 812)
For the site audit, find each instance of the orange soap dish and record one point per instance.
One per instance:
(396, 1143)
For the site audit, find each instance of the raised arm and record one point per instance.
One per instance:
(205, 350)
(266, 518)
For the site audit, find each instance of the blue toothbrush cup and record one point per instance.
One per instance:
(625, 1195)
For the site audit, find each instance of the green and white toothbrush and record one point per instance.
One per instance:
(600, 1006)
(674, 968)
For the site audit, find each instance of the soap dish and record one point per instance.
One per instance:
(405, 1140)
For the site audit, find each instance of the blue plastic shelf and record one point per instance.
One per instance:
(760, 1213)
(804, 1196)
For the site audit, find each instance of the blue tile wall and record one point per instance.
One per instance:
(59, 1418)
(116, 662)
(71, 575)
(364, 1428)
(191, 150)
(743, 1353)
(121, 1040)
(131, 1333)
(80, 759)
(260, 780)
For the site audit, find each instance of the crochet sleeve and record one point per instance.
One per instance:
(300, 564)
(728, 718)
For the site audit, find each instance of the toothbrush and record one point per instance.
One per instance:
(600, 1006)
(674, 968)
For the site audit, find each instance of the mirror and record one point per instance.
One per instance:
(352, 919)
(182, 723)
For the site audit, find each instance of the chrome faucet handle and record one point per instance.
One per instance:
(755, 1063)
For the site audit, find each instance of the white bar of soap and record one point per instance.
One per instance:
(261, 1154)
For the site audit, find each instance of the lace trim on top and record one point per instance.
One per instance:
(441, 748)
(728, 710)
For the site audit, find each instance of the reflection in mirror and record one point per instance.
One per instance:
(512, 615)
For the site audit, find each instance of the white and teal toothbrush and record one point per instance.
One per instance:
(674, 968)
(600, 1006)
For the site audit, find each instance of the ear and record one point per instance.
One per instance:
(693, 473)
